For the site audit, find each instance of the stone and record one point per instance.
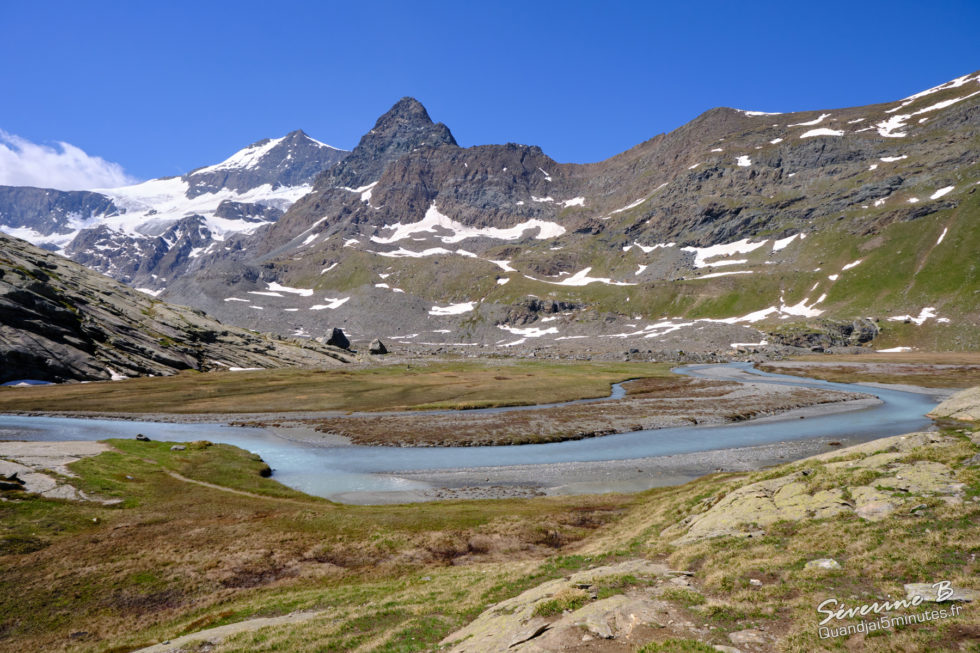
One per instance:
(338, 339)
(743, 637)
(822, 563)
(377, 348)
(178, 447)
(142, 438)
(963, 406)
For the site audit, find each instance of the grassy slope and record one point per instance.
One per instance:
(441, 385)
(177, 556)
(903, 270)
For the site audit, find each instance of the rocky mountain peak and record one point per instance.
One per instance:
(403, 128)
(291, 160)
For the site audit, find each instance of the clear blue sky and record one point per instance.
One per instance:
(164, 87)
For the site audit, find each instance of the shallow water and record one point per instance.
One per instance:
(329, 471)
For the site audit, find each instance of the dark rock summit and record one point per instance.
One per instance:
(404, 128)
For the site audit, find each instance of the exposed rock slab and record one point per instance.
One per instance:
(964, 406)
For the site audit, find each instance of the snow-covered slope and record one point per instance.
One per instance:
(130, 232)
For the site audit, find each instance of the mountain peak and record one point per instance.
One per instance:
(403, 128)
(408, 108)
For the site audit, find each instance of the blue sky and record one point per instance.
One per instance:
(162, 88)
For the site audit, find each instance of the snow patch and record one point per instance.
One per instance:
(811, 123)
(302, 292)
(782, 243)
(942, 235)
(629, 206)
(582, 278)
(942, 191)
(702, 254)
(743, 161)
(575, 201)
(529, 332)
(452, 309)
(333, 303)
(723, 274)
(925, 314)
(822, 131)
(434, 220)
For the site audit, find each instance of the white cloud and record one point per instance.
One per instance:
(65, 167)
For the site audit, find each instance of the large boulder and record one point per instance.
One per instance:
(338, 339)
(377, 347)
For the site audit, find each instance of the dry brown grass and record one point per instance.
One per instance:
(392, 387)
(855, 371)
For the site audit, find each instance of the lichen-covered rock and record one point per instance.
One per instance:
(748, 510)
(516, 625)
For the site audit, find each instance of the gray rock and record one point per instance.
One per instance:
(822, 563)
(178, 447)
(743, 637)
(377, 347)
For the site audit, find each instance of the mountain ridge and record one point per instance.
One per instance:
(740, 217)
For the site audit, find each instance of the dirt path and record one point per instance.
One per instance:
(181, 477)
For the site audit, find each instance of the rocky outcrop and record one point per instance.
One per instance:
(60, 321)
(827, 333)
(377, 348)
(828, 485)
(566, 612)
(964, 406)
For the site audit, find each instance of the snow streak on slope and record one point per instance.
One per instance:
(435, 223)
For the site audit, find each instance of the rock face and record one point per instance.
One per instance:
(964, 406)
(60, 321)
(50, 218)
